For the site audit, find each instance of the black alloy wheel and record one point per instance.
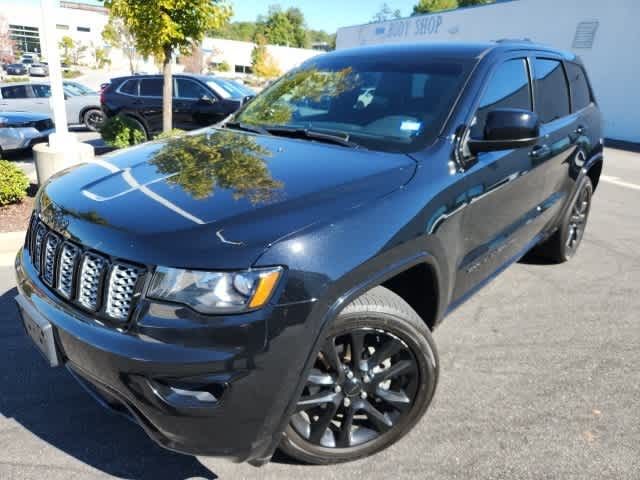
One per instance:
(372, 380)
(578, 219)
(93, 119)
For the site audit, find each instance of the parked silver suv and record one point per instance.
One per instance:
(82, 108)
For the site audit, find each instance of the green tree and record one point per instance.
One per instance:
(162, 27)
(386, 13)
(66, 44)
(430, 6)
(298, 27)
(262, 62)
(471, 3)
(117, 35)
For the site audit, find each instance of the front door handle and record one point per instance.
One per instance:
(540, 151)
(581, 130)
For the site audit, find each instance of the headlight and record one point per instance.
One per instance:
(215, 292)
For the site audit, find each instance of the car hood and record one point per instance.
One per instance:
(215, 198)
(22, 117)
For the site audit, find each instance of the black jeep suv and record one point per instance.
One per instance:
(274, 281)
(198, 100)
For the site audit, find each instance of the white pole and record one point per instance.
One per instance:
(61, 138)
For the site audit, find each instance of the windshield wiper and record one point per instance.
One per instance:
(247, 127)
(318, 135)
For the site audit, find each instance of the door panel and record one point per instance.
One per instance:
(505, 188)
(16, 98)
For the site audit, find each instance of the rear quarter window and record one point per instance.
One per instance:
(551, 91)
(14, 92)
(130, 87)
(580, 92)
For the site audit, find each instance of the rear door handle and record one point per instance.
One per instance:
(581, 130)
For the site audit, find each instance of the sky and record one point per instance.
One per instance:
(328, 15)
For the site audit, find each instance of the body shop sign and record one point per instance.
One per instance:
(411, 28)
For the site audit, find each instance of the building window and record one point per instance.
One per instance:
(243, 69)
(62, 27)
(27, 39)
(84, 29)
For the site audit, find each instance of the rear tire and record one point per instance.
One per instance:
(564, 243)
(377, 395)
(140, 126)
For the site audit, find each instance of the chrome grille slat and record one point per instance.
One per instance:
(66, 267)
(121, 287)
(51, 243)
(37, 245)
(80, 276)
(91, 271)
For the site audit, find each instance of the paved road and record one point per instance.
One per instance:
(540, 380)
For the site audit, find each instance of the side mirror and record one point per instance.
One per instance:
(207, 99)
(507, 128)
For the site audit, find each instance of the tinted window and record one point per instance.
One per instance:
(507, 88)
(15, 91)
(552, 94)
(392, 104)
(151, 87)
(580, 93)
(190, 89)
(41, 91)
(130, 87)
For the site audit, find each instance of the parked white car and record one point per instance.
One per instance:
(82, 108)
(20, 130)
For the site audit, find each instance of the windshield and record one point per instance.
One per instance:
(228, 88)
(77, 89)
(397, 105)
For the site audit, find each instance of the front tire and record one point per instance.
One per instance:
(374, 378)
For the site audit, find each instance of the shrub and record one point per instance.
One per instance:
(174, 132)
(15, 79)
(224, 66)
(71, 74)
(121, 132)
(13, 183)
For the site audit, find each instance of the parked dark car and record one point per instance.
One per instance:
(274, 282)
(17, 69)
(199, 100)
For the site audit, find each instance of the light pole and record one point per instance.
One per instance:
(64, 149)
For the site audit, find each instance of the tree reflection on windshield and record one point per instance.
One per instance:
(201, 163)
(278, 103)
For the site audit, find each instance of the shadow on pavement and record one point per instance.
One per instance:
(48, 403)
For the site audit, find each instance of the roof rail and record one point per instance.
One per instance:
(514, 40)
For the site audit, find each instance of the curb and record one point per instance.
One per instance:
(10, 243)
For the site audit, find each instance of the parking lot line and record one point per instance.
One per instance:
(620, 183)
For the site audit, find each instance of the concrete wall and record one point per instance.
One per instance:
(612, 62)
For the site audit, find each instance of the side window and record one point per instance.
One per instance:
(552, 93)
(580, 92)
(15, 92)
(151, 87)
(507, 88)
(190, 89)
(41, 91)
(130, 87)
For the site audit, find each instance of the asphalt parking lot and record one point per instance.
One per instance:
(540, 379)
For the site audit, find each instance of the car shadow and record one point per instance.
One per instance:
(52, 406)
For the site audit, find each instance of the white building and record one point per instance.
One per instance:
(604, 34)
(238, 54)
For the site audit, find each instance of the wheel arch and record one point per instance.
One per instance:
(85, 109)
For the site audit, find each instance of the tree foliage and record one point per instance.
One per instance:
(386, 13)
(262, 62)
(163, 27)
(471, 3)
(117, 34)
(13, 183)
(430, 6)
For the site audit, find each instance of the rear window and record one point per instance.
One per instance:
(130, 87)
(15, 91)
(552, 93)
(580, 92)
(151, 87)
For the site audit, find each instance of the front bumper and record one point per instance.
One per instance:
(17, 138)
(250, 364)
